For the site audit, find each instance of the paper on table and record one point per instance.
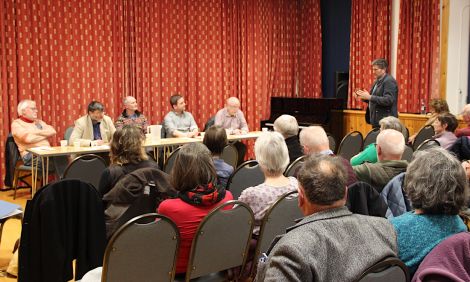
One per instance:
(44, 148)
(8, 209)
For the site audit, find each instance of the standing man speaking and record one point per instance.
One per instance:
(383, 96)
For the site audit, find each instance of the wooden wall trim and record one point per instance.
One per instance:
(355, 120)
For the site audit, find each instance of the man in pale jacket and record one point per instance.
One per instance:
(95, 128)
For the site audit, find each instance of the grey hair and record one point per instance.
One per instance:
(23, 105)
(391, 142)
(124, 101)
(391, 122)
(381, 63)
(436, 183)
(323, 179)
(466, 110)
(271, 153)
(313, 137)
(286, 125)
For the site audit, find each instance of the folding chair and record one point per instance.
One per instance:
(351, 145)
(87, 168)
(246, 175)
(143, 249)
(424, 134)
(292, 168)
(230, 155)
(387, 270)
(221, 242)
(282, 214)
(371, 137)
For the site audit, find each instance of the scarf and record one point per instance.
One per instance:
(25, 119)
(203, 195)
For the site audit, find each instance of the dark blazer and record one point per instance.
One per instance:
(383, 102)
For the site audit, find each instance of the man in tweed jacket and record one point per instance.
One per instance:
(330, 243)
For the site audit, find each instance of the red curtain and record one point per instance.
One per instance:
(64, 54)
(370, 39)
(418, 53)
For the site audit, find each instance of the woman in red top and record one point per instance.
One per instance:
(194, 176)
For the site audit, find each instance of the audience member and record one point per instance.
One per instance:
(29, 132)
(289, 128)
(272, 156)
(314, 140)
(94, 128)
(444, 127)
(437, 188)
(131, 115)
(330, 243)
(436, 107)
(369, 154)
(215, 140)
(127, 154)
(390, 147)
(232, 119)
(195, 178)
(466, 117)
(178, 122)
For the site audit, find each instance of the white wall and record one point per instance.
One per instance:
(457, 54)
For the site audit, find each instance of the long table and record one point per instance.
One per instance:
(43, 154)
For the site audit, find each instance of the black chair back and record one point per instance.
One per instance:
(246, 175)
(171, 161)
(294, 166)
(281, 215)
(351, 145)
(210, 122)
(143, 249)
(221, 241)
(407, 154)
(424, 134)
(429, 143)
(332, 142)
(371, 137)
(87, 168)
(230, 155)
(387, 270)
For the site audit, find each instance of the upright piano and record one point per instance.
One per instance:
(308, 111)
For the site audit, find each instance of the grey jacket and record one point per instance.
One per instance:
(333, 245)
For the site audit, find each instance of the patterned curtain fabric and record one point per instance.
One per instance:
(370, 39)
(418, 53)
(64, 54)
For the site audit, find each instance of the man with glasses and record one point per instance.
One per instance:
(231, 118)
(383, 96)
(95, 128)
(29, 132)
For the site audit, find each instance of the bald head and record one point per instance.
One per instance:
(232, 105)
(313, 139)
(390, 145)
(130, 104)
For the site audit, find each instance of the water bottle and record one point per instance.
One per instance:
(423, 107)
